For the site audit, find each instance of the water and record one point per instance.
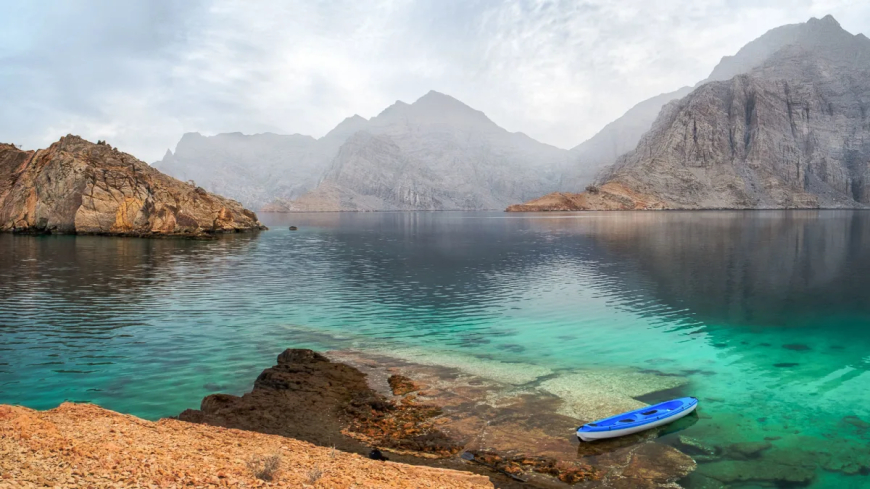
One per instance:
(766, 313)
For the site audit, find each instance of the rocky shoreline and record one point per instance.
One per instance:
(82, 445)
(438, 417)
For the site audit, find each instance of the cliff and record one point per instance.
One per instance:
(82, 445)
(78, 187)
(793, 132)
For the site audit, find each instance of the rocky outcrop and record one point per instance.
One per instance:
(792, 133)
(78, 187)
(610, 196)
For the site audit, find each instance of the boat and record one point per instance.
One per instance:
(638, 420)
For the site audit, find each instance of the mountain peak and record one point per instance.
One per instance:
(826, 20)
(825, 33)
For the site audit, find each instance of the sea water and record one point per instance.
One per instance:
(764, 316)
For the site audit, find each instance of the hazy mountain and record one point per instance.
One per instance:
(794, 132)
(434, 154)
(252, 169)
(623, 134)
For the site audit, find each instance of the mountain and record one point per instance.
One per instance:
(792, 132)
(623, 134)
(434, 154)
(78, 187)
(252, 169)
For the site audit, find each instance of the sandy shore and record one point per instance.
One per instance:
(82, 445)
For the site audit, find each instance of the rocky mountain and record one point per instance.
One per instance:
(623, 134)
(434, 154)
(792, 132)
(79, 187)
(252, 169)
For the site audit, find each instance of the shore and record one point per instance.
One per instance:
(83, 445)
(512, 429)
(322, 415)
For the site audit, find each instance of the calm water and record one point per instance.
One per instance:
(766, 313)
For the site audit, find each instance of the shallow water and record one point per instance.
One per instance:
(767, 314)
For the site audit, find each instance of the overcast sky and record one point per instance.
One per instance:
(141, 73)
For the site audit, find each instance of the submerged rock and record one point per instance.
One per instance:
(78, 187)
(731, 471)
(693, 446)
(401, 385)
(747, 450)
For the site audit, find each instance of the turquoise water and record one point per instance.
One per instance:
(766, 313)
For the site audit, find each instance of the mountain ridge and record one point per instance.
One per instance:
(793, 132)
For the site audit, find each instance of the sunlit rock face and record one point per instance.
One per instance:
(75, 186)
(793, 132)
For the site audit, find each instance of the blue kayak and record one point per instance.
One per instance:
(638, 420)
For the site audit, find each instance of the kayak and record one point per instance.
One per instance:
(638, 420)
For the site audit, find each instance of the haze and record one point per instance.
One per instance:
(141, 73)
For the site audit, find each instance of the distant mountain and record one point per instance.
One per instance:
(793, 132)
(434, 154)
(78, 187)
(623, 134)
(252, 169)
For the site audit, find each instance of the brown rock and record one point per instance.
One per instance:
(401, 385)
(78, 187)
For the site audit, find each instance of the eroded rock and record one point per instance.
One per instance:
(77, 187)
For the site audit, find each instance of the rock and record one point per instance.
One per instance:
(791, 132)
(304, 397)
(401, 385)
(294, 228)
(693, 446)
(77, 187)
(659, 463)
(732, 471)
(746, 450)
(856, 422)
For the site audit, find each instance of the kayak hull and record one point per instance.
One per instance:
(639, 420)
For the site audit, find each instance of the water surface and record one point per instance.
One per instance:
(766, 313)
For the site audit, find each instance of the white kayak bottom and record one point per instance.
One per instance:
(600, 435)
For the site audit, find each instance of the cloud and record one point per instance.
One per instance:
(139, 73)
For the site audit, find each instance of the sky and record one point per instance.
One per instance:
(140, 73)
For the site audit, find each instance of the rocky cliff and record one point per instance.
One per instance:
(793, 132)
(79, 187)
(622, 135)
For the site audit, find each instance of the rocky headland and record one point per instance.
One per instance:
(78, 187)
(790, 132)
